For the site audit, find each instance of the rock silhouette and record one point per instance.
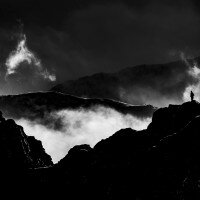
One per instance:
(161, 162)
(19, 154)
(19, 150)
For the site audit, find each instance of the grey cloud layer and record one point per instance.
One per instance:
(103, 37)
(110, 37)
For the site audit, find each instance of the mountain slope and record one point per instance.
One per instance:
(157, 85)
(39, 105)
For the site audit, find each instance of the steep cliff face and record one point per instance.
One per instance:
(20, 157)
(19, 151)
(166, 121)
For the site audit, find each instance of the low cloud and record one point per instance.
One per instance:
(158, 85)
(149, 95)
(80, 127)
(195, 87)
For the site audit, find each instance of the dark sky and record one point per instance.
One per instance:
(82, 37)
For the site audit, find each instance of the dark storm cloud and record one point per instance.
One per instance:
(79, 38)
(109, 37)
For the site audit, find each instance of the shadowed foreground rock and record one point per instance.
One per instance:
(19, 154)
(161, 162)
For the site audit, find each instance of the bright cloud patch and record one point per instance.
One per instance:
(23, 54)
(195, 73)
(80, 127)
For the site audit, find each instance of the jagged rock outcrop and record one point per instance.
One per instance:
(171, 119)
(20, 156)
(19, 151)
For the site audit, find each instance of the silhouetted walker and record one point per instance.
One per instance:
(192, 96)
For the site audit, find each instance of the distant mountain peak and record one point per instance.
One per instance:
(156, 84)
